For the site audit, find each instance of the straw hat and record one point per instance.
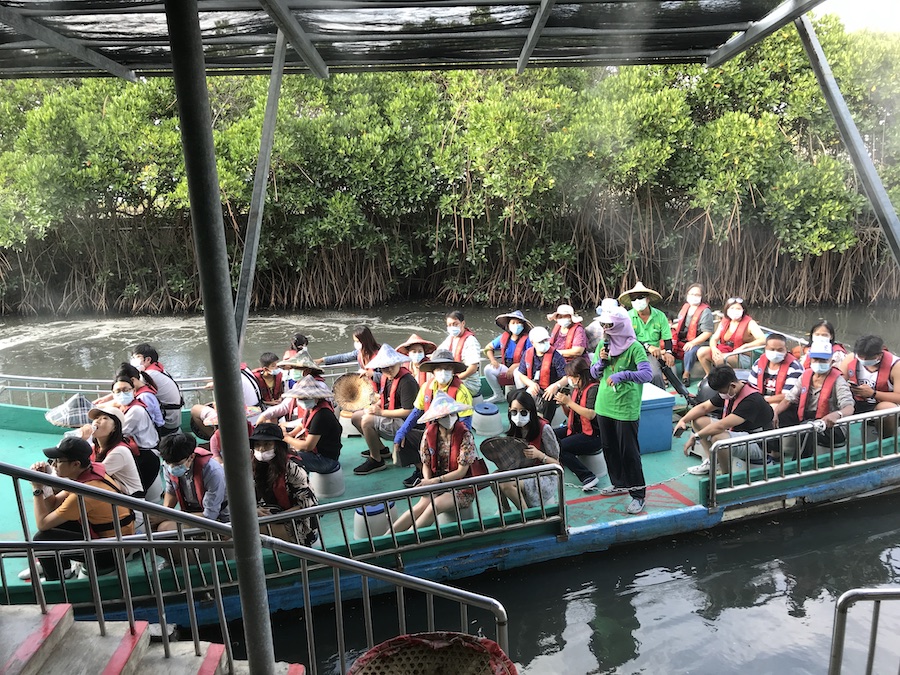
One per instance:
(386, 357)
(73, 413)
(564, 310)
(442, 359)
(441, 406)
(110, 410)
(310, 388)
(299, 361)
(653, 296)
(506, 452)
(353, 392)
(416, 339)
(503, 320)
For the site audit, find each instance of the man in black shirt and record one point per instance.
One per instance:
(745, 411)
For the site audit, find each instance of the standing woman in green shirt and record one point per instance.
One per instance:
(651, 328)
(621, 367)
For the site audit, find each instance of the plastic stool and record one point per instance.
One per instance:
(375, 515)
(327, 485)
(486, 420)
(596, 464)
(347, 428)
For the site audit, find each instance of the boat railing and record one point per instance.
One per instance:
(192, 565)
(865, 443)
(357, 537)
(875, 596)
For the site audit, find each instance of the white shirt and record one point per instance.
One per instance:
(471, 355)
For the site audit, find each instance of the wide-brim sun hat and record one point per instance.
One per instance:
(607, 305)
(506, 452)
(441, 406)
(653, 296)
(416, 339)
(565, 310)
(442, 360)
(503, 320)
(310, 388)
(610, 309)
(353, 392)
(386, 357)
(299, 361)
(109, 410)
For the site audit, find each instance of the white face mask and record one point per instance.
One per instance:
(820, 368)
(693, 300)
(416, 357)
(639, 304)
(264, 455)
(307, 403)
(447, 421)
(137, 362)
(357, 345)
(735, 314)
(443, 376)
(454, 331)
(542, 347)
(775, 357)
(564, 322)
(516, 328)
(520, 417)
(572, 383)
(123, 397)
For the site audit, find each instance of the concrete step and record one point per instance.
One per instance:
(29, 637)
(85, 652)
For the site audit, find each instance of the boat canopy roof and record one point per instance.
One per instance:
(130, 38)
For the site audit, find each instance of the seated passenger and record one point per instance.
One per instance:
(445, 380)
(543, 448)
(737, 331)
(540, 367)
(281, 484)
(745, 412)
(138, 424)
(418, 350)
(364, 350)
(651, 328)
(252, 403)
(299, 343)
(270, 380)
(298, 367)
(581, 435)
(462, 343)
(146, 359)
(776, 372)
(447, 452)
(874, 377)
(512, 343)
(194, 482)
(211, 419)
(384, 419)
(567, 335)
(822, 394)
(823, 329)
(693, 328)
(315, 440)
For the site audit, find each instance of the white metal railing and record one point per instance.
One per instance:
(823, 460)
(203, 547)
(842, 608)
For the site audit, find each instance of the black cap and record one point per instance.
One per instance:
(72, 448)
(267, 432)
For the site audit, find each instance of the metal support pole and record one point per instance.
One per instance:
(878, 196)
(209, 238)
(260, 181)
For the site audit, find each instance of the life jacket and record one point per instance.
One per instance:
(835, 347)
(882, 381)
(538, 442)
(546, 362)
(201, 458)
(288, 354)
(390, 399)
(693, 329)
(570, 336)
(144, 389)
(580, 396)
(452, 391)
(824, 406)
(735, 336)
(157, 367)
(780, 377)
(732, 403)
(422, 376)
(268, 394)
(97, 472)
(279, 489)
(323, 404)
(517, 352)
(456, 439)
(456, 344)
(145, 460)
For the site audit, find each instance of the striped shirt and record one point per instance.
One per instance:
(795, 370)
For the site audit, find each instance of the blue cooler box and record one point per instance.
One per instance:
(655, 429)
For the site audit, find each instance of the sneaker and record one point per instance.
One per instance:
(701, 469)
(636, 506)
(590, 484)
(413, 480)
(370, 466)
(496, 398)
(613, 490)
(25, 575)
(385, 453)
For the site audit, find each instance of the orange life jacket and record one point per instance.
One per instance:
(456, 439)
(390, 399)
(517, 352)
(456, 344)
(452, 391)
(546, 362)
(580, 396)
(732, 338)
(780, 377)
(824, 406)
(882, 381)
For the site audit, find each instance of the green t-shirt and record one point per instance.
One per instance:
(622, 402)
(657, 327)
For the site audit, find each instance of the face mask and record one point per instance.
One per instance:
(443, 376)
(137, 362)
(357, 345)
(640, 304)
(869, 362)
(542, 347)
(275, 371)
(123, 397)
(178, 471)
(693, 300)
(416, 357)
(727, 396)
(820, 368)
(454, 331)
(735, 314)
(572, 383)
(520, 417)
(264, 455)
(564, 323)
(307, 403)
(447, 421)
(774, 357)
(516, 328)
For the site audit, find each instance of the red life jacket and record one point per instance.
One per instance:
(390, 399)
(279, 489)
(824, 406)
(201, 458)
(422, 376)
(538, 441)
(570, 336)
(835, 347)
(452, 391)
(735, 337)
(546, 362)
(144, 389)
(730, 404)
(780, 377)
(882, 381)
(266, 393)
(517, 352)
(97, 472)
(693, 329)
(580, 396)
(456, 438)
(323, 404)
(456, 344)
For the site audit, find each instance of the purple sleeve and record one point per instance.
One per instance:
(597, 368)
(643, 374)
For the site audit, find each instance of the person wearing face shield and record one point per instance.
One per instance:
(567, 335)
(822, 394)
(194, 482)
(776, 372)
(873, 373)
(692, 329)
(651, 328)
(447, 453)
(445, 380)
(541, 366)
(418, 349)
(512, 343)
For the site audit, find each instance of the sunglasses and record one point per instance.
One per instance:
(639, 296)
(606, 326)
(731, 301)
(518, 413)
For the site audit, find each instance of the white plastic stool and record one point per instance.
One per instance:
(375, 515)
(486, 420)
(596, 464)
(559, 418)
(327, 485)
(347, 428)
(450, 516)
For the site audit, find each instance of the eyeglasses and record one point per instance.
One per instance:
(732, 301)
(54, 462)
(518, 413)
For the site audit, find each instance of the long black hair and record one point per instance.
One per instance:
(114, 440)
(369, 346)
(531, 430)
(129, 370)
(265, 474)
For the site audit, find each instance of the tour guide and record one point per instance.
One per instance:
(651, 328)
(621, 366)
